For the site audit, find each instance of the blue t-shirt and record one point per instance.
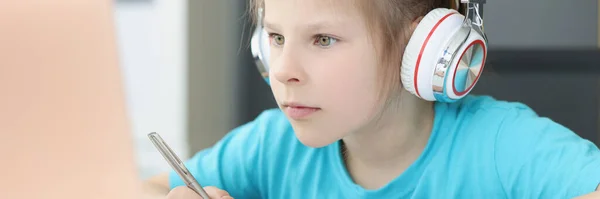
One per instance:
(479, 148)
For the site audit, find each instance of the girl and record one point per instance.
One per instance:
(351, 122)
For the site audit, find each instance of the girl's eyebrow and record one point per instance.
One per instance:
(320, 25)
(269, 25)
(313, 25)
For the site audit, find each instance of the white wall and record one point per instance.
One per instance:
(152, 44)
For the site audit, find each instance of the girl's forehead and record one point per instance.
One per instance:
(329, 8)
(310, 11)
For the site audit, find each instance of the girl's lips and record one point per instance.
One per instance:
(298, 111)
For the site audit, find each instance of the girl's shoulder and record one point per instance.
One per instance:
(496, 115)
(526, 149)
(505, 121)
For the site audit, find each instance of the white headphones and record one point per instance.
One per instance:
(443, 60)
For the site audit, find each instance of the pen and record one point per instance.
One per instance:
(177, 164)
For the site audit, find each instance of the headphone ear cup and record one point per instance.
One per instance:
(466, 67)
(425, 47)
(260, 47)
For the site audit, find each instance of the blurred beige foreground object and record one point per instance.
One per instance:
(63, 123)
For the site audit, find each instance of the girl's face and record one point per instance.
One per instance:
(324, 69)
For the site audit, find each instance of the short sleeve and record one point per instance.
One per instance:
(539, 158)
(231, 164)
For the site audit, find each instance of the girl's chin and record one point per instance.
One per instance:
(315, 139)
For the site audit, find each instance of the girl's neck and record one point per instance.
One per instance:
(378, 154)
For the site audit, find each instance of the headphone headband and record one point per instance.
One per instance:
(474, 14)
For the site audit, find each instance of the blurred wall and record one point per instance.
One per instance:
(213, 59)
(152, 50)
(542, 23)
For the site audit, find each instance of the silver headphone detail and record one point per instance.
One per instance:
(259, 45)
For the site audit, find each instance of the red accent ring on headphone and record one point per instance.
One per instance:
(423, 49)
(458, 94)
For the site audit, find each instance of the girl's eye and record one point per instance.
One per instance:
(325, 41)
(277, 39)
